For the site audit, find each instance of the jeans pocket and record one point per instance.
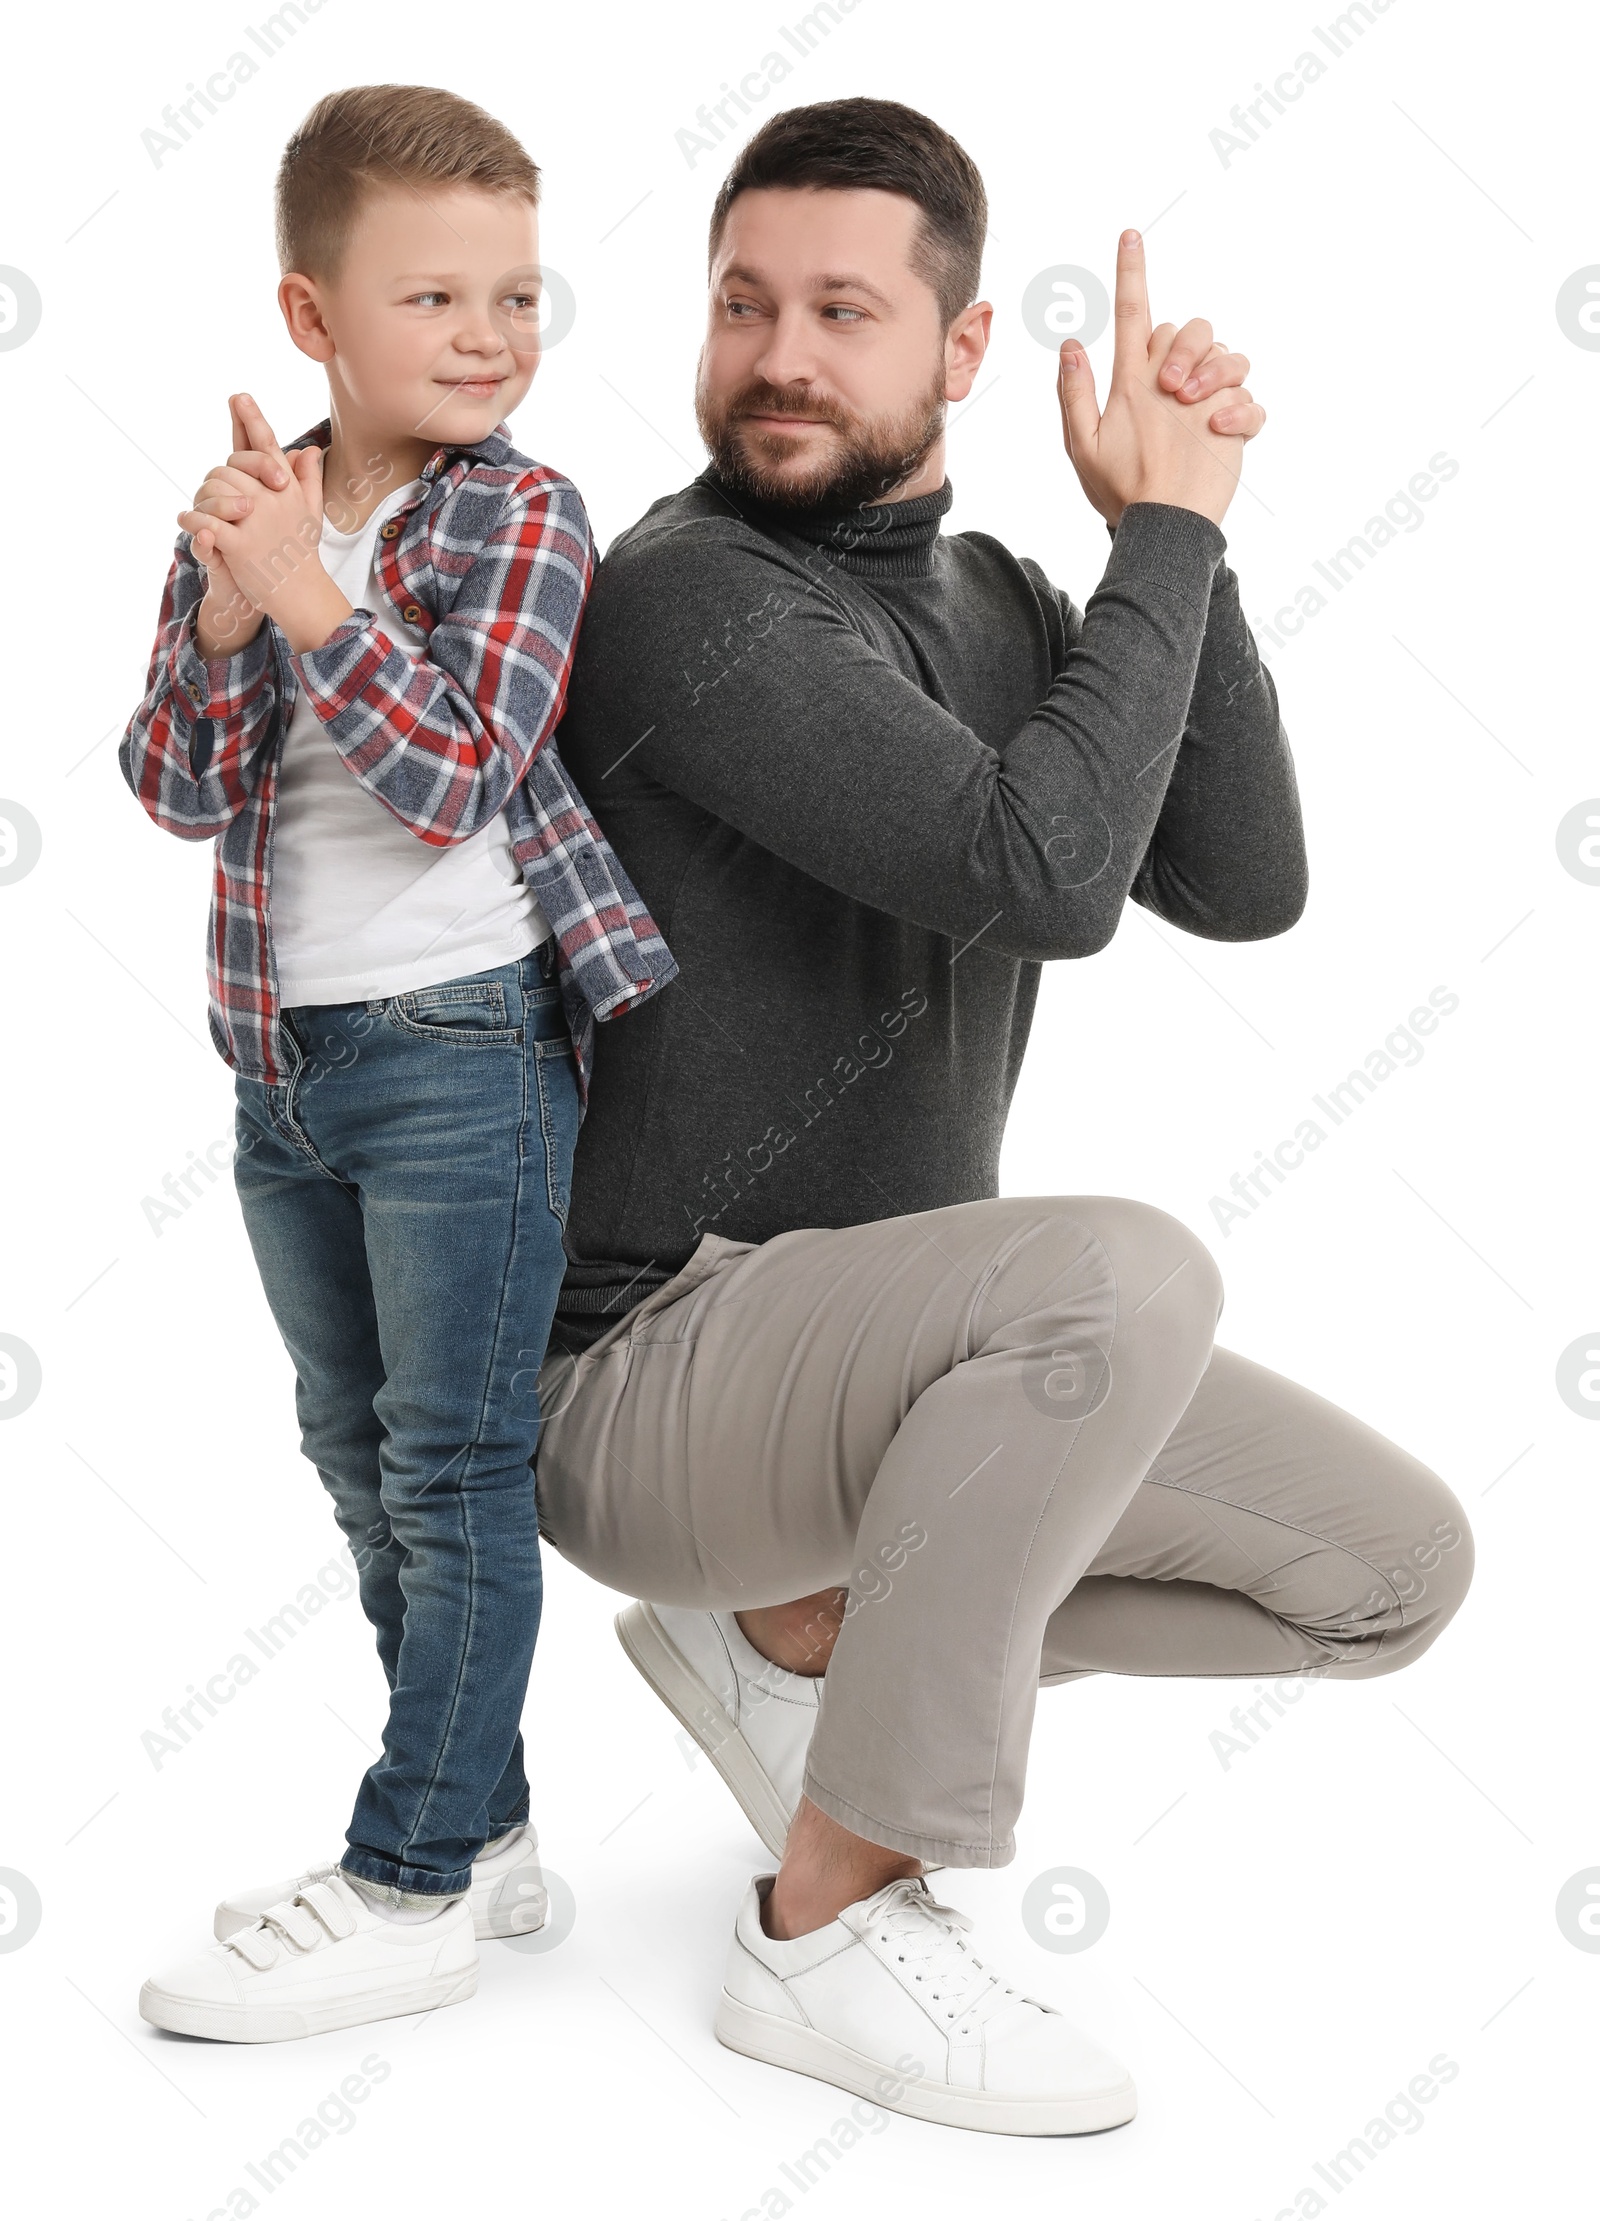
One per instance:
(467, 1014)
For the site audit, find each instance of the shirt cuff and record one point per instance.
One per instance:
(226, 680)
(349, 660)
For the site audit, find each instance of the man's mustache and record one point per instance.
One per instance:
(765, 400)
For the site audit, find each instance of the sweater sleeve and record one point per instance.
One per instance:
(786, 722)
(1227, 859)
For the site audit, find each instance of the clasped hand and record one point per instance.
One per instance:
(256, 528)
(1154, 440)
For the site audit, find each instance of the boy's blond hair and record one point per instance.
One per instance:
(373, 135)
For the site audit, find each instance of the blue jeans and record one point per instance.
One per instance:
(405, 1192)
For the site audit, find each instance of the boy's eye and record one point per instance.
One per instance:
(521, 304)
(429, 300)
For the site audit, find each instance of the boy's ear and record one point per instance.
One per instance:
(301, 302)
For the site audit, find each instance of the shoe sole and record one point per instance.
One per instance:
(524, 1914)
(786, 2043)
(691, 1703)
(258, 2024)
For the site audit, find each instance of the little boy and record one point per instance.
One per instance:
(363, 651)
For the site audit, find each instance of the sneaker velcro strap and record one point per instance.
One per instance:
(256, 1944)
(297, 1920)
(330, 1908)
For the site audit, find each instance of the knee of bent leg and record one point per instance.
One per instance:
(1164, 1271)
(1421, 1581)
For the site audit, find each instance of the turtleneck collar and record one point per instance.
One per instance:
(886, 539)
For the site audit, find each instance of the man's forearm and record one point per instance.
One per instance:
(1228, 859)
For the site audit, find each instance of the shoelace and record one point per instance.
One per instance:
(316, 1914)
(952, 1980)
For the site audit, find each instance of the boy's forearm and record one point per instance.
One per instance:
(188, 748)
(308, 608)
(223, 625)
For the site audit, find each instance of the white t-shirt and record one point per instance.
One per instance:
(359, 906)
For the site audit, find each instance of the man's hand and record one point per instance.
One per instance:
(258, 519)
(1153, 442)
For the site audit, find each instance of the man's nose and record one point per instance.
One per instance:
(788, 355)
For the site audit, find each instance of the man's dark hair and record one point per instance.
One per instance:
(849, 145)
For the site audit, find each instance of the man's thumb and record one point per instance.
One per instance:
(1080, 412)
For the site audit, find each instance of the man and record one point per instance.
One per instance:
(882, 1450)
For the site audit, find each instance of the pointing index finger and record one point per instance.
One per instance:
(253, 435)
(1132, 309)
(258, 432)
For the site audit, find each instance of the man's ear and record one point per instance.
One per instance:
(300, 299)
(966, 343)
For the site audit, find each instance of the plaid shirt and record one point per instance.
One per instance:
(491, 564)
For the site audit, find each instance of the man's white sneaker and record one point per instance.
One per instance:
(507, 1897)
(889, 2001)
(321, 1959)
(752, 1719)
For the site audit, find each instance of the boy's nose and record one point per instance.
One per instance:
(480, 339)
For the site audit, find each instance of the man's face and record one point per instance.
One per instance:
(825, 372)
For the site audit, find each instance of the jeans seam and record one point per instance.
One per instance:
(547, 1131)
(289, 1127)
(425, 1800)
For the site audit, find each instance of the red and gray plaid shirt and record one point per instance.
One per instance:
(491, 564)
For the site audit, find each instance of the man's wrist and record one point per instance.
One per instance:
(1166, 538)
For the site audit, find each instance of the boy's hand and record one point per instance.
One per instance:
(227, 620)
(261, 514)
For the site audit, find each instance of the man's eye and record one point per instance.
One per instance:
(842, 314)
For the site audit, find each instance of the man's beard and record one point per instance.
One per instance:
(867, 463)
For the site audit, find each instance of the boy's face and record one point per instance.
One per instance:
(430, 328)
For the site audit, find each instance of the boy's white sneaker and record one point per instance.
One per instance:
(323, 1958)
(891, 2002)
(507, 1897)
(752, 1719)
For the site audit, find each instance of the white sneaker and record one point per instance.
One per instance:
(507, 1897)
(322, 1959)
(888, 2001)
(752, 1719)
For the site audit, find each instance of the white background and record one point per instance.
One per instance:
(1293, 1936)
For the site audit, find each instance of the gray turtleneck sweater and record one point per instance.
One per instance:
(868, 778)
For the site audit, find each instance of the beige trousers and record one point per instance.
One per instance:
(1006, 1429)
